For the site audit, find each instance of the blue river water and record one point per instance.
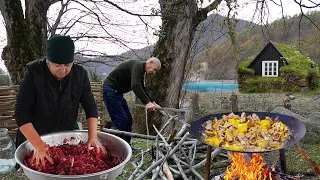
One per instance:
(205, 86)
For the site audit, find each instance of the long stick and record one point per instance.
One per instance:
(166, 169)
(162, 108)
(314, 164)
(191, 167)
(137, 168)
(157, 163)
(136, 135)
(184, 176)
(216, 165)
(214, 154)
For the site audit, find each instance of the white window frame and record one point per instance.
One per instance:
(267, 63)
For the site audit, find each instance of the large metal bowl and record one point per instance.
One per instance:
(296, 128)
(115, 146)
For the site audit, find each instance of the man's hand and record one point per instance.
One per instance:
(156, 105)
(92, 135)
(40, 148)
(150, 106)
(94, 142)
(40, 154)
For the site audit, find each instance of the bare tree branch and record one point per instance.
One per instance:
(306, 6)
(124, 10)
(57, 22)
(312, 21)
(212, 6)
(117, 39)
(73, 24)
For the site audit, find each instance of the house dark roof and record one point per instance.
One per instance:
(263, 51)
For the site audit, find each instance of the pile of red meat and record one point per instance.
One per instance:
(73, 160)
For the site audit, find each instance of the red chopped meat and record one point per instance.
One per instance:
(74, 160)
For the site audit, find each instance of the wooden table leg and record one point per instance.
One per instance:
(208, 160)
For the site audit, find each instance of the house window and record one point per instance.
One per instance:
(270, 68)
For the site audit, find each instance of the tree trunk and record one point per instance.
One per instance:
(177, 31)
(179, 22)
(25, 36)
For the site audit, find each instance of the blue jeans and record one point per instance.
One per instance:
(118, 110)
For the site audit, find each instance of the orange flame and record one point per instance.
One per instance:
(242, 170)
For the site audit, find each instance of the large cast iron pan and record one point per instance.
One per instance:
(295, 126)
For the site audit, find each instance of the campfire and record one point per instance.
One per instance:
(248, 167)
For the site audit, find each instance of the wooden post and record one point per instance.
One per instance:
(208, 160)
(195, 103)
(286, 102)
(194, 108)
(234, 102)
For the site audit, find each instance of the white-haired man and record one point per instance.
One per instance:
(127, 76)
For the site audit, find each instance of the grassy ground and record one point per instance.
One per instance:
(143, 145)
(298, 164)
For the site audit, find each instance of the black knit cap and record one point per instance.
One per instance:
(60, 49)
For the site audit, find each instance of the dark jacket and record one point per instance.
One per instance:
(127, 76)
(51, 105)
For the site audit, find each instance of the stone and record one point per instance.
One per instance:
(314, 119)
(282, 110)
(292, 97)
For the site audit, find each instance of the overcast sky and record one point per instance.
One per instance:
(142, 38)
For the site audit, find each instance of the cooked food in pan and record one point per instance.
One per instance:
(246, 133)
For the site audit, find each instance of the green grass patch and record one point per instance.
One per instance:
(298, 62)
(309, 92)
(243, 66)
(129, 169)
(257, 84)
(298, 164)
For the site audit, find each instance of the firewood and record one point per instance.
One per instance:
(167, 171)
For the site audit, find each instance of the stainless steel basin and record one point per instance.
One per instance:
(115, 146)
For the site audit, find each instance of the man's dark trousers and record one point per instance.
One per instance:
(118, 110)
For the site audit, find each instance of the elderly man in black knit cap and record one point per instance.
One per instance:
(49, 96)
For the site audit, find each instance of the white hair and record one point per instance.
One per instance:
(155, 61)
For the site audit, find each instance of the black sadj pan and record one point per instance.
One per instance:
(296, 127)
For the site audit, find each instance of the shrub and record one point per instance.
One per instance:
(4, 80)
(258, 84)
(243, 66)
(314, 79)
(298, 62)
